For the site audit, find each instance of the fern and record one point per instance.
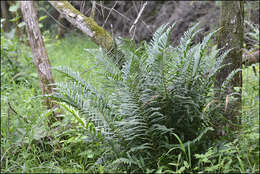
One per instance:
(228, 79)
(86, 99)
(254, 34)
(160, 91)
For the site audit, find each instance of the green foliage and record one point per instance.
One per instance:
(28, 144)
(117, 121)
(238, 156)
(23, 122)
(159, 95)
(14, 9)
(16, 63)
(242, 154)
(253, 35)
(22, 126)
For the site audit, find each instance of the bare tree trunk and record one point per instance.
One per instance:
(40, 59)
(231, 36)
(4, 12)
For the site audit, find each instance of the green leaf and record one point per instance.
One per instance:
(181, 170)
(20, 25)
(47, 113)
(34, 75)
(73, 111)
(90, 154)
(15, 19)
(186, 164)
(14, 7)
(39, 132)
(42, 18)
(241, 164)
(197, 61)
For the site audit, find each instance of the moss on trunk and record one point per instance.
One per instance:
(86, 24)
(231, 36)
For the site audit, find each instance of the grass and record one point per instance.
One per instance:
(22, 146)
(19, 153)
(72, 52)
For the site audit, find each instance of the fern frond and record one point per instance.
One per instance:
(207, 39)
(186, 40)
(89, 125)
(125, 161)
(218, 65)
(229, 78)
(87, 100)
(254, 35)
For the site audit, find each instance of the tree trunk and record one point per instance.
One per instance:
(231, 36)
(4, 14)
(40, 59)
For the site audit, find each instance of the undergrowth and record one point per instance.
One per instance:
(152, 116)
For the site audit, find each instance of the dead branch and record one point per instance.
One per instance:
(93, 9)
(109, 13)
(139, 15)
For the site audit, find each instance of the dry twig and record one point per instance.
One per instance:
(138, 16)
(93, 9)
(109, 14)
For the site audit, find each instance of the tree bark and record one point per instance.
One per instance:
(4, 12)
(40, 59)
(231, 36)
(86, 24)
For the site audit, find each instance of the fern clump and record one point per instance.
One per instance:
(160, 93)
